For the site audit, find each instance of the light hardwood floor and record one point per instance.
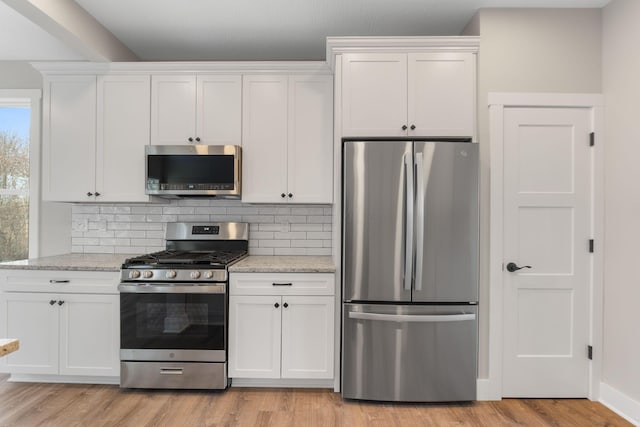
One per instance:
(25, 404)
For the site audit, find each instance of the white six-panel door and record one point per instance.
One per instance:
(547, 225)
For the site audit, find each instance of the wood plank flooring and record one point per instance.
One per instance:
(36, 404)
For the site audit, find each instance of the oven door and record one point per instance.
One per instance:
(174, 322)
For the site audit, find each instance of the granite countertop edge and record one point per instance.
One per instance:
(70, 262)
(284, 264)
(113, 262)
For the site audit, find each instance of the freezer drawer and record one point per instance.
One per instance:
(409, 353)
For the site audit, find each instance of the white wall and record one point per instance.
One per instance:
(527, 50)
(55, 218)
(621, 87)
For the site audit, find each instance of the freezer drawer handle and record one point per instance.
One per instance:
(170, 371)
(401, 318)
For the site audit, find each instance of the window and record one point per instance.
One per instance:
(18, 206)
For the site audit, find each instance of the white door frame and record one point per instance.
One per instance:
(497, 103)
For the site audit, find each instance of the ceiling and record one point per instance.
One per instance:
(181, 30)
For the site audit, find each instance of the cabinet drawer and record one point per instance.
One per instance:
(60, 281)
(282, 284)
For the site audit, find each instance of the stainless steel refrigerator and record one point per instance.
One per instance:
(410, 270)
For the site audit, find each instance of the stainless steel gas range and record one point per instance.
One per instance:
(173, 308)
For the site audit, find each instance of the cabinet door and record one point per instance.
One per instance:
(374, 94)
(173, 109)
(264, 139)
(34, 322)
(307, 336)
(89, 334)
(310, 139)
(69, 138)
(219, 109)
(441, 94)
(123, 131)
(254, 336)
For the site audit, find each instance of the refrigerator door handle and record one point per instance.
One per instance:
(421, 318)
(408, 238)
(420, 195)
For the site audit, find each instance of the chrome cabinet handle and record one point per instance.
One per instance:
(512, 266)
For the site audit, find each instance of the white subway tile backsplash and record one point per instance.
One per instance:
(138, 229)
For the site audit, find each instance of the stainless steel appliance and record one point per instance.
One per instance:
(410, 270)
(173, 308)
(194, 170)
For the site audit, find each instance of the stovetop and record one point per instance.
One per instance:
(176, 259)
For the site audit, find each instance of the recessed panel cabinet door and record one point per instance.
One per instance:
(374, 91)
(264, 139)
(122, 134)
(219, 109)
(310, 142)
(33, 320)
(254, 336)
(173, 109)
(441, 94)
(69, 138)
(90, 335)
(307, 336)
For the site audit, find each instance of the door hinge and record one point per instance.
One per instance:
(590, 352)
(592, 139)
(590, 245)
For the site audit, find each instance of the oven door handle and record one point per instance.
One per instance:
(145, 288)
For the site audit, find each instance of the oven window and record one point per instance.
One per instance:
(172, 321)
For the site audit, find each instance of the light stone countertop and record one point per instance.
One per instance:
(284, 264)
(79, 262)
(8, 346)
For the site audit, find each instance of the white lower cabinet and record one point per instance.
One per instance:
(60, 333)
(283, 330)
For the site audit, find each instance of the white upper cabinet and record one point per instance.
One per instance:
(122, 134)
(374, 93)
(95, 128)
(69, 138)
(430, 94)
(287, 139)
(202, 109)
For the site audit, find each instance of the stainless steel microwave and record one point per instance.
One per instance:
(194, 170)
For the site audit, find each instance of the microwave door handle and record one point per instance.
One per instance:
(408, 238)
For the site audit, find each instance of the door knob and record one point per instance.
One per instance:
(512, 266)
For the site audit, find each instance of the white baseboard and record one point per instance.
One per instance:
(620, 403)
(70, 379)
(286, 383)
(482, 389)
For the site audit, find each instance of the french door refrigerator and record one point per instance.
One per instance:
(410, 270)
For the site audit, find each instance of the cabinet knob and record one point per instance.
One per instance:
(52, 302)
(190, 139)
(89, 193)
(290, 195)
(404, 127)
(97, 194)
(276, 305)
(412, 127)
(283, 195)
(198, 138)
(285, 305)
(60, 302)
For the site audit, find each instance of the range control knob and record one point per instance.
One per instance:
(134, 274)
(208, 274)
(195, 274)
(171, 274)
(147, 274)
